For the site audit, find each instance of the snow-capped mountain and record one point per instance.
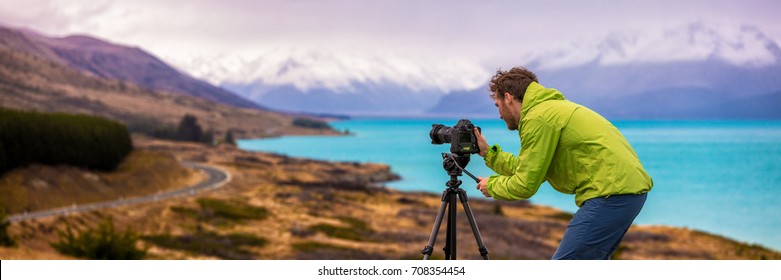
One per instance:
(691, 72)
(323, 82)
(694, 70)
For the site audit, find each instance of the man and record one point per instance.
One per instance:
(577, 151)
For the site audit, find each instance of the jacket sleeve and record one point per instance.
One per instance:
(528, 170)
(501, 162)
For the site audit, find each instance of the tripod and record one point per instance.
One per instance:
(454, 164)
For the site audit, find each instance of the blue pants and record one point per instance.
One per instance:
(598, 227)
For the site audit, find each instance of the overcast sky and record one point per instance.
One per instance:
(488, 34)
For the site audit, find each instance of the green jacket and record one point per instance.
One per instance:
(575, 149)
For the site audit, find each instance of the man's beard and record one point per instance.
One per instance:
(508, 119)
(511, 126)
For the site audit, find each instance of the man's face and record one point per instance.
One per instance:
(505, 111)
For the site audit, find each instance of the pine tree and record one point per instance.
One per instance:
(189, 129)
(208, 137)
(229, 139)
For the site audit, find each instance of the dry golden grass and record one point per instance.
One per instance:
(39, 187)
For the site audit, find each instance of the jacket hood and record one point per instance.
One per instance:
(536, 94)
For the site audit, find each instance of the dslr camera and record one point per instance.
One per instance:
(461, 137)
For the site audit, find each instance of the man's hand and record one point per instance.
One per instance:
(481, 142)
(482, 186)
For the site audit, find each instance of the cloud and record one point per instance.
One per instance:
(740, 45)
(420, 44)
(43, 16)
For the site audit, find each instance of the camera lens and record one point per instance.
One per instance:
(439, 134)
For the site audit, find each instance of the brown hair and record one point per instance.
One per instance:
(515, 81)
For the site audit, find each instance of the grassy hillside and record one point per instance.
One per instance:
(109, 60)
(30, 82)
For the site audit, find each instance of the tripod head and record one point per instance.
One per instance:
(454, 163)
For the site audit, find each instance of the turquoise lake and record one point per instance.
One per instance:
(722, 177)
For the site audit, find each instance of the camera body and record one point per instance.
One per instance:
(461, 137)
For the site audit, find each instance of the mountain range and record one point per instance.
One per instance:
(693, 71)
(680, 90)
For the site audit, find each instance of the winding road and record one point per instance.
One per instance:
(215, 178)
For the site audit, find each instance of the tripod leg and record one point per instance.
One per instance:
(450, 253)
(473, 224)
(437, 223)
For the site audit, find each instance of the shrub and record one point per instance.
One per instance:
(5, 238)
(310, 123)
(564, 216)
(230, 246)
(312, 246)
(357, 230)
(498, 210)
(232, 210)
(101, 243)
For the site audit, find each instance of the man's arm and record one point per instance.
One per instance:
(528, 170)
(499, 161)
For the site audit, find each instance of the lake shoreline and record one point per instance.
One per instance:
(693, 163)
